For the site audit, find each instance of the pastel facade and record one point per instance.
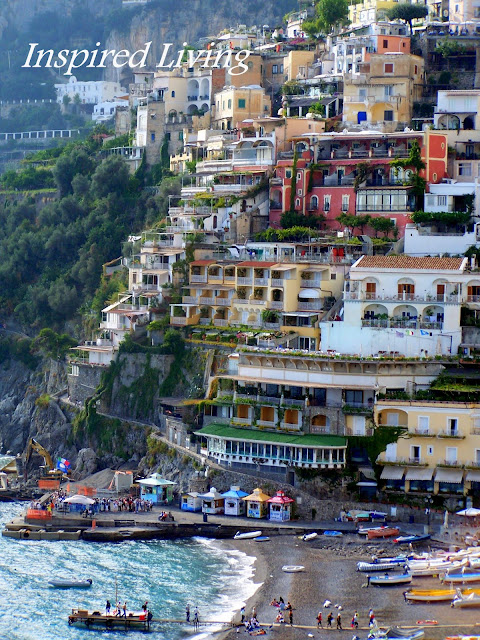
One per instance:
(157, 489)
(368, 11)
(406, 305)
(439, 452)
(91, 92)
(235, 104)
(257, 504)
(191, 501)
(212, 502)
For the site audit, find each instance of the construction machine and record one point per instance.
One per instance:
(51, 476)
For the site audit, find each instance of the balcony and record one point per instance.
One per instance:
(278, 282)
(217, 277)
(447, 433)
(310, 306)
(421, 462)
(276, 181)
(198, 279)
(275, 304)
(239, 301)
(293, 402)
(220, 323)
(222, 302)
(189, 300)
(287, 426)
(206, 301)
(241, 421)
(425, 433)
(244, 281)
(256, 301)
(473, 298)
(450, 463)
(375, 323)
(272, 325)
(268, 424)
(261, 282)
(316, 284)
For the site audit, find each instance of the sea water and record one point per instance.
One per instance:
(169, 574)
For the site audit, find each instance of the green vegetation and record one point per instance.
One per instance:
(30, 178)
(377, 443)
(414, 162)
(408, 13)
(328, 14)
(447, 218)
(298, 233)
(18, 349)
(53, 344)
(449, 47)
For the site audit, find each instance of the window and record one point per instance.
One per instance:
(241, 103)
(430, 451)
(354, 397)
(281, 68)
(299, 176)
(465, 169)
(229, 103)
(152, 137)
(168, 135)
(388, 90)
(416, 70)
(452, 426)
(388, 67)
(333, 276)
(345, 202)
(180, 135)
(451, 454)
(300, 192)
(301, 71)
(415, 452)
(288, 173)
(326, 203)
(388, 116)
(359, 426)
(385, 44)
(297, 202)
(173, 94)
(423, 424)
(274, 68)
(362, 94)
(442, 201)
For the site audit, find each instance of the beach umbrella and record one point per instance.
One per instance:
(445, 520)
(78, 499)
(469, 513)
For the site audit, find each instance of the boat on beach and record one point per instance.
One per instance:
(247, 535)
(411, 539)
(382, 532)
(390, 581)
(309, 536)
(293, 568)
(395, 633)
(262, 539)
(463, 576)
(71, 584)
(333, 534)
(465, 601)
(367, 567)
(429, 595)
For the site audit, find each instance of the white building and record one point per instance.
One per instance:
(402, 305)
(426, 240)
(91, 92)
(106, 110)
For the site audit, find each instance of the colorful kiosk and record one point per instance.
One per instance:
(191, 501)
(212, 501)
(257, 504)
(157, 489)
(234, 502)
(280, 507)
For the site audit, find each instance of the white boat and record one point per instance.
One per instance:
(465, 601)
(247, 535)
(388, 580)
(293, 568)
(368, 567)
(309, 536)
(70, 584)
(456, 578)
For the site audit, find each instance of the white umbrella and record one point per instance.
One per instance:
(470, 513)
(445, 520)
(78, 499)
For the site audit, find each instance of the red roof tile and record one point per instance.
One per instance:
(202, 263)
(409, 262)
(254, 263)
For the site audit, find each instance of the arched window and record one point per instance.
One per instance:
(314, 203)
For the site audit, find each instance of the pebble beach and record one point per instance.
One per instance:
(330, 574)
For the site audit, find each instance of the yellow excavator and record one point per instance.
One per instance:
(51, 477)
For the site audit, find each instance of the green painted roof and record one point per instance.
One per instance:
(307, 440)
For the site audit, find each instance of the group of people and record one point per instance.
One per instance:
(121, 610)
(283, 609)
(251, 623)
(338, 620)
(196, 616)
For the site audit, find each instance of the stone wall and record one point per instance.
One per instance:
(83, 386)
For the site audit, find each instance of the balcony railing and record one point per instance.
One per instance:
(207, 301)
(401, 324)
(189, 300)
(222, 302)
(260, 282)
(243, 281)
(310, 306)
(278, 282)
(255, 301)
(220, 323)
(200, 279)
(241, 421)
(215, 276)
(315, 284)
(423, 432)
(275, 304)
(180, 322)
(239, 301)
(447, 433)
(287, 426)
(403, 297)
(272, 325)
(270, 424)
(450, 463)
(473, 298)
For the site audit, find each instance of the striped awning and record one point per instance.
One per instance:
(453, 476)
(419, 473)
(473, 475)
(392, 473)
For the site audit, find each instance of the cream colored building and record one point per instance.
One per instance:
(439, 451)
(296, 64)
(236, 104)
(382, 93)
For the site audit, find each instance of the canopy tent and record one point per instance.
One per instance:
(453, 476)
(78, 499)
(392, 473)
(419, 474)
(469, 513)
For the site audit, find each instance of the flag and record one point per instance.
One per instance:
(399, 334)
(63, 465)
(424, 333)
(409, 332)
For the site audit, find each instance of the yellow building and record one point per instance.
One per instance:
(439, 449)
(296, 64)
(369, 11)
(288, 297)
(236, 104)
(383, 91)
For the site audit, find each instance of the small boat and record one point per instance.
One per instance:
(70, 584)
(96, 619)
(394, 633)
(382, 532)
(262, 539)
(411, 539)
(309, 536)
(456, 578)
(429, 595)
(292, 568)
(367, 567)
(462, 601)
(333, 534)
(247, 535)
(388, 580)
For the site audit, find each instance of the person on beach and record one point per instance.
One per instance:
(124, 609)
(339, 621)
(289, 608)
(254, 612)
(329, 619)
(355, 620)
(281, 604)
(196, 618)
(187, 613)
(242, 613)
(108, 606)
(145, 606)
(319, 620)
(371, 618)
(280, 617)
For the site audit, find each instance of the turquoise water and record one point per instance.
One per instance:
(166, 573)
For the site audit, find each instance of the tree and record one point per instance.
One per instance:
(383, 225)
(66, 100)
(415, 164)
(408, 12)
(328, 14)
(291, 219)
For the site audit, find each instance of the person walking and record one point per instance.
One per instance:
(108, 606)
(329, 619)
(196, 619)
(289, 608)
(319, 620)
(124, 609)
(371, 618)
(242, 613)
(339, 621)
(187, 613)
(355, 620)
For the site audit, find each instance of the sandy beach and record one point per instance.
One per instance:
(330, 574)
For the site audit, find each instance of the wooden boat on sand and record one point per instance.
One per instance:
(460, 578)
(382, 532)
(368, 567)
